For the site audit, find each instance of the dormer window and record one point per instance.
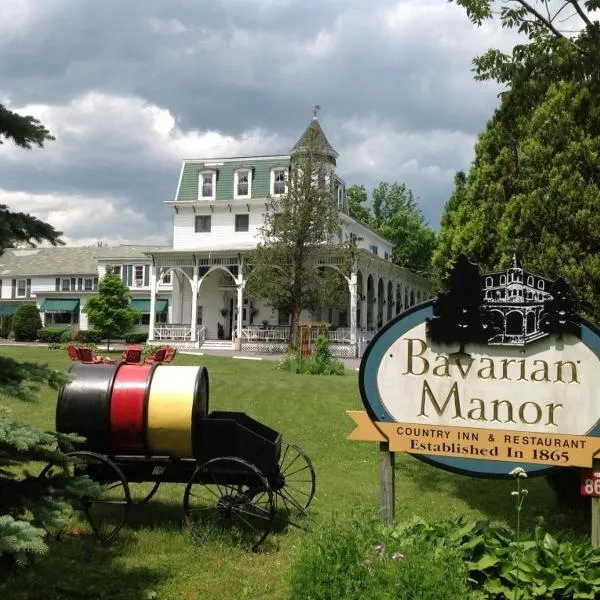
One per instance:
(207, 185)
(242, 183)
(278, 182)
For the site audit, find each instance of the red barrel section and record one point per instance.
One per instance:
(128, 402)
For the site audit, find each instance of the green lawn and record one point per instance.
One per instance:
(154, 558)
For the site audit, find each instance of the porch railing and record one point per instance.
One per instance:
(201, 334)
(282, 334)
(173, 331)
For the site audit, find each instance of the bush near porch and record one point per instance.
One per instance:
(154, 558)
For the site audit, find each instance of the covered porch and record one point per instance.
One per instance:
(209, 304)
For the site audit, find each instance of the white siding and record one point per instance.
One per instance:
(222, 231)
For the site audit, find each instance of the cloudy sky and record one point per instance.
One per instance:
(131, 87)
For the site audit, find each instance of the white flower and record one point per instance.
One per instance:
(518, 472)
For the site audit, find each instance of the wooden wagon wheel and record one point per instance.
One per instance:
(298, 479)
(142, 492)
(229, 493)
(106, 511)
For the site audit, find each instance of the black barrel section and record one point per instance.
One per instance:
(84, 404)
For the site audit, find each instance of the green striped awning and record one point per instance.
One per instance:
(59, 305)
(7, 310)
(143, 306)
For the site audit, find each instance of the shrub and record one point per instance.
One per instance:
(89, 336)
(320, 363)
(360, 559)
(136, 338)
(52, 334)
(26, 323)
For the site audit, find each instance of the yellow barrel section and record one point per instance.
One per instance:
(170, 408)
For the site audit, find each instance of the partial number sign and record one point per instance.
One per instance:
(590, 483)
(497, 372)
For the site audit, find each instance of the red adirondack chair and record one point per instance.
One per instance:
(132, 354)
(157, 356)
(170, 354)
(87, 356)
(73, 353)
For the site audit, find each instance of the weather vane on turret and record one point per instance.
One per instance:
(316, 109)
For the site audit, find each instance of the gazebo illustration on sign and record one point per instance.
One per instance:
(514, 301)
(509, 308)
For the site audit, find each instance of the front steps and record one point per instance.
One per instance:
(217, 345)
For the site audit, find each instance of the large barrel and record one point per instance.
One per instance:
(83, 405)
(178, 399)
(135, 409)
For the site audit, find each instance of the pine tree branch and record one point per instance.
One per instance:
(24, 131)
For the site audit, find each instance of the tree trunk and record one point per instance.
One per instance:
(296, 310)
(108, 343)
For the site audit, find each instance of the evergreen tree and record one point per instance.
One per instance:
(285, 265)
(27, 502)
(534, 186)
(109, 311)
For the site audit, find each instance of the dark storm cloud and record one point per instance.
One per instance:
(398, 69)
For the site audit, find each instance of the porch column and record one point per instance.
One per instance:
(194, 303)
(364, 322)
(352, 284)
(152, 322)
(240, 298)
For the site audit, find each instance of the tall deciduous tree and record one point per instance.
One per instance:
(25, 500)
(296, 236)
(109, 311)
(357, 208)
(397, 217)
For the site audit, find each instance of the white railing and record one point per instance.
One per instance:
(280, 334)
(339, 336)
(173, 331)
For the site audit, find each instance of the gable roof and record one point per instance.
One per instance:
(64, 260)
(315, 134)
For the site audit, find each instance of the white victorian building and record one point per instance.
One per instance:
(191, 294)
(219, 206)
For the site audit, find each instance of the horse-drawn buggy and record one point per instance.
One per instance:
(150, 424)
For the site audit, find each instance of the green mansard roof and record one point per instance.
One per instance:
(225, 169)
(317, 134)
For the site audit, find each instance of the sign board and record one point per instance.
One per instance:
(498, 372)
(589, 483)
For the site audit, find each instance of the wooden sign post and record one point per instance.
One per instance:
(387, 483)
(596, 512)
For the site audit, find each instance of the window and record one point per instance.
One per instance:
(540, 284)
(277, 182)
(321, 178)
(203, 224)
(139, 274)
(22, 288)
(88, 284)
(242, 183)
(241, 222)
(386, 255)
(117, 270)
(373, 249)
(206, 185)
(166, 276)
(283, 316)
(65, 285)
(340, 197)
